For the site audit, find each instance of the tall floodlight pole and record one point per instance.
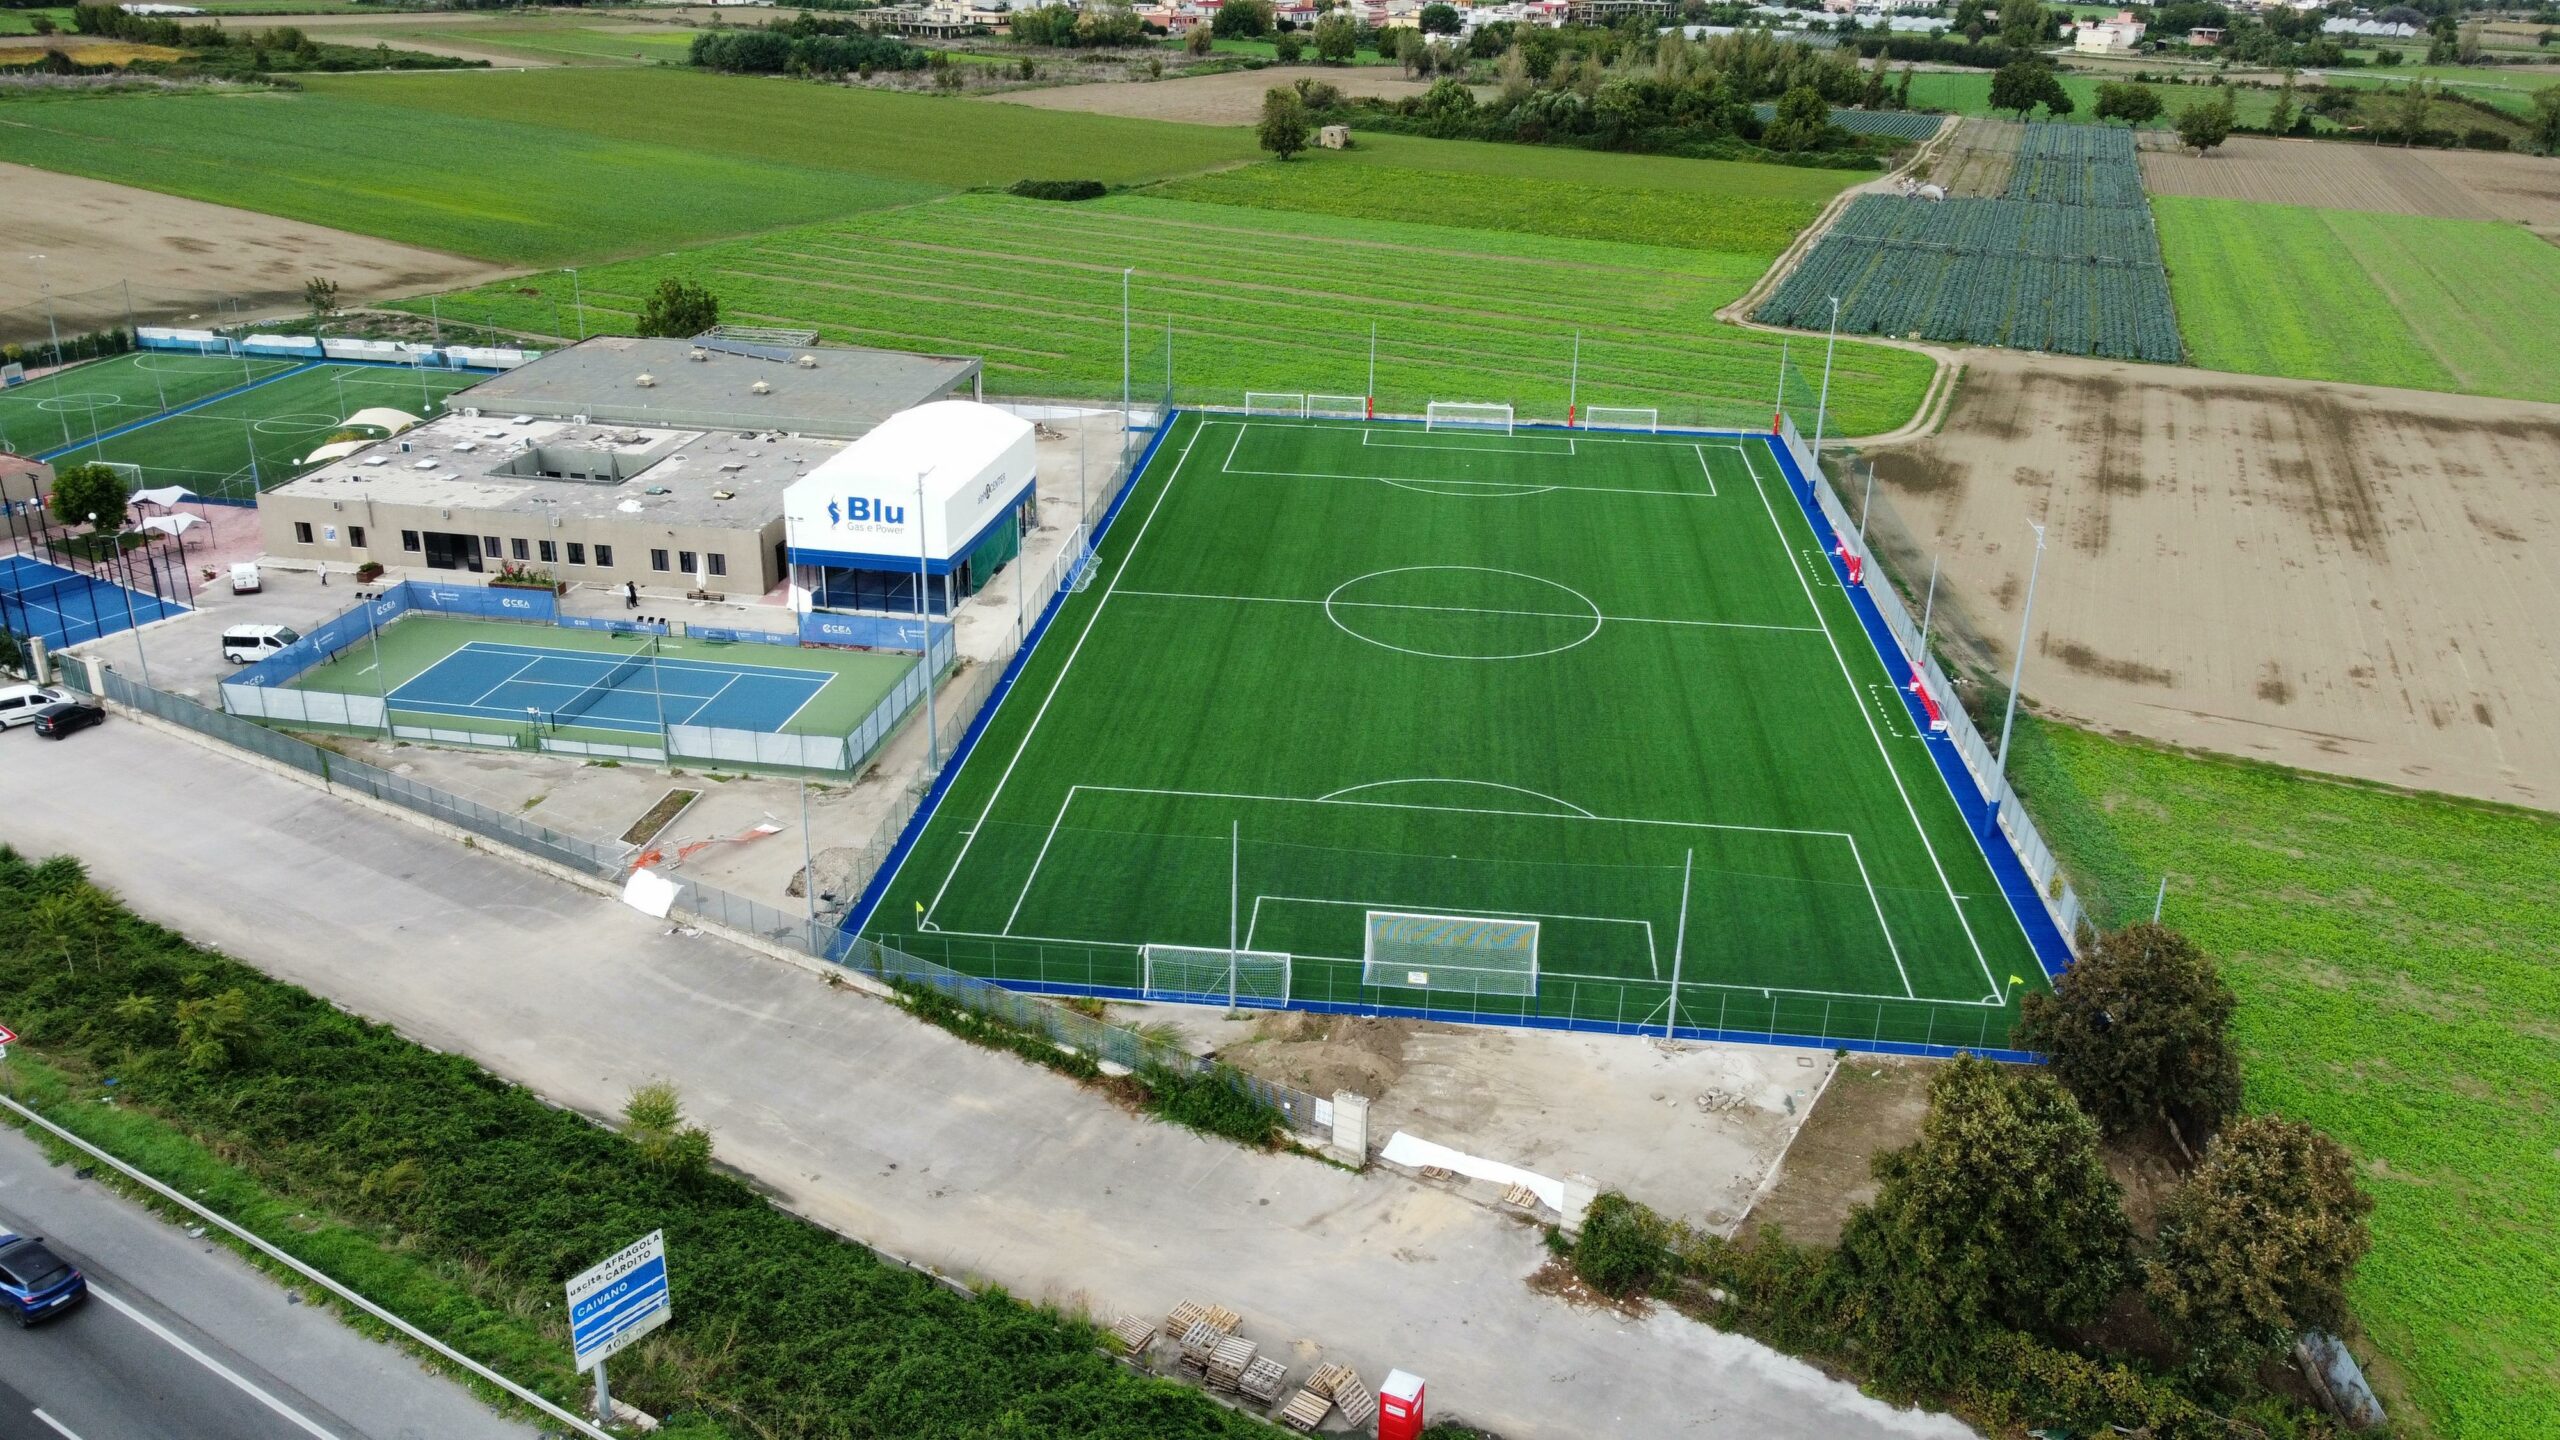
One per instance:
(1373, 365)
(1679, 945)
(1822, 408)
(131, 621)
(46, 285)
(808, 859)
(1235, 895)
(1928, 604)
(2018, 667)
(1867, 505)
(1125, 273)
(924, 622)
(578, 298)
(1784, 342)
(1573, 381)
(435, 321)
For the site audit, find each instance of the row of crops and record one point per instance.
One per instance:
(1895, 124)
(2068, 262)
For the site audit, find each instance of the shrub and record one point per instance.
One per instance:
(1212, 1102)
(368, 572)
(1058, 189)
(1624, 1249)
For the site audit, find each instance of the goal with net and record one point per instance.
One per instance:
(1468, 954)
(1622, 417)
(1466, 415)
(1338, 407)
(1275, 402)
(1203, 973)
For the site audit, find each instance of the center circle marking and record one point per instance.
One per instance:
(1581, 610)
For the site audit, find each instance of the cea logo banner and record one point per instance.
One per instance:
(862, 512)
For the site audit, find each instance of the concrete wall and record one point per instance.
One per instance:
(750, 551)
(21, 477)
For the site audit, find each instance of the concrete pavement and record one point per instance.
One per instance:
(883, 1128)
(181, 1340)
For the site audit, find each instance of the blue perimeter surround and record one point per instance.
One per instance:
(1981, 817)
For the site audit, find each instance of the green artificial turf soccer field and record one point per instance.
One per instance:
(209, 449)
(858, 679)
(1345, 668)
(69, 406)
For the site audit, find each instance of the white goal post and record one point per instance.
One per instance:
(1467, 954)
(1202, 973)
(1622, 417)
(1466, 415)
(1275, 402)
(1338, 407)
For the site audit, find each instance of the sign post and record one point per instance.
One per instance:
(614, 1304)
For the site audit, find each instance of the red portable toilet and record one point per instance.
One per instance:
(1400, 1407)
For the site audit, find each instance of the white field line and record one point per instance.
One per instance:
(177, 1342)
(1882, 753)
(705, 703)
(1881, 923)
(1040, 859)
(1710, 470)
(1060, 682)
(1465, 610)
(474, 701)
(1652, 950)
(1468, 810)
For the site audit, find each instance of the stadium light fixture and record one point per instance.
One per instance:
(1822, 408)
(2018, 665)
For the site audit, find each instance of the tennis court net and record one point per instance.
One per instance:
(587, 699)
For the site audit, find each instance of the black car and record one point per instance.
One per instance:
(55, 721)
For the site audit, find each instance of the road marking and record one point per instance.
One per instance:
(58, 1427)
(179, 1343)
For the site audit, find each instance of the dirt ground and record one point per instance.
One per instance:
(181, 254)
(1978, 161)
(1234, 98)
(2343, 578)
(2454, 184)
(1874, 1104)
(1692, 1130)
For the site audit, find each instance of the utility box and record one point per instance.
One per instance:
(1400, 1407)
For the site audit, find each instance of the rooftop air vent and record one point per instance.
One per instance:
(807, 362)
(697, 353)
(762, 387)
(646, 382)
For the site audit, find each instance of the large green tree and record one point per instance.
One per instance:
(1440, 18)
(1337, 38)
(1242, 20)
(2000, 1216)
(2023, 25)
(1285, 122)
(80, 491)
(2022, 85)
(2204, 125)
(2139, 1029)
(2123, 100)
(679, 308)
(2545, 124)
(2257, 1246)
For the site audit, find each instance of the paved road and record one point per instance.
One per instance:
(182, 1340)
(884, 1128)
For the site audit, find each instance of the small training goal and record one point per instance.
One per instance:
(1622, 417)
(1466, 954)
(1275, 402)
(1200, 973)
(1338, 407)
(1466, 415)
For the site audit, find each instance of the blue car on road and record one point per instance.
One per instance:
(37, 1283)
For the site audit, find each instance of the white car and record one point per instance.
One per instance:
(19, 704)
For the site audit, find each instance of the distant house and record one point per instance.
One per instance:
(2205, 37)
(2119, 36)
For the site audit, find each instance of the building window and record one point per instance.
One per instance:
(719, 563)
(684, 561)
(301, 532)
(577, 553)
(355, 536)
(519, 549)
(492, 546)
(550, 553)
(657, 559)
(604, 557)
(408, 539)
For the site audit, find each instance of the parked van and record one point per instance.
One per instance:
(245, 579)
(19, 703)
(247, 644)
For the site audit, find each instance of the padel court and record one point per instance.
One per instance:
(62, 607)
(1566, 727)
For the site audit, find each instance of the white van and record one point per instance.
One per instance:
(244, 578)
(19, 703)
(247, 644)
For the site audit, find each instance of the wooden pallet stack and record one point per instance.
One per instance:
(1229, 1358)
(1135, 1333)
(1324, 1388)
(1262, 1381)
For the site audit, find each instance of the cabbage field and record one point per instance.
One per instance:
(2068, 261)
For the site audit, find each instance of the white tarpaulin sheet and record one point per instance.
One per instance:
(171, 524)
(166, 497)
(1404, 1149)
(649, 892)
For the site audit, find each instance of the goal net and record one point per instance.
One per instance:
(1275, 402)
(1466, 415)
(1197, 973)
(1469, 954)
(1622, 417)
(1338, 407)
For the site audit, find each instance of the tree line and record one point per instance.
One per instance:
(804, 45)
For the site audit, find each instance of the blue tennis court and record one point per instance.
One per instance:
(488, 680)
(62, 607)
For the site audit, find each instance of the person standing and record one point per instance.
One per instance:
(630, 594)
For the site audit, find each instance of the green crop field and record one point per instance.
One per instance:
(1261, 300)
(210, 449)
(547, 166)
(71, 405)
(1607, 684)
(1752, 212)
(2369, 298)
(572, 44)
(22, 22)
(2393, 956)
(1969, 93)
(2508, 90)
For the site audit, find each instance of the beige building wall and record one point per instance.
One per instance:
(651, 552)
(21, 478)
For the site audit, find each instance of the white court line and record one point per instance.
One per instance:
(1038, 860)
(1465, 610)
(1652, 949)
(1718, 440)
(1540, 486)
(1709, 470)
(177, 1342)
(1470, 810)
(706, 701)
(58, 1427)
(1060, 682)
(1878, 901)
(1369, 442)
(475, 700)
(672, 662)
(1846, 678)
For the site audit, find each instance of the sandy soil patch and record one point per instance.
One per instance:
(184, 256)
(1234, 98)
(1977, 163)
(1874, 1104)
(2318, 172)
(2338, 577)
(2523, 188)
